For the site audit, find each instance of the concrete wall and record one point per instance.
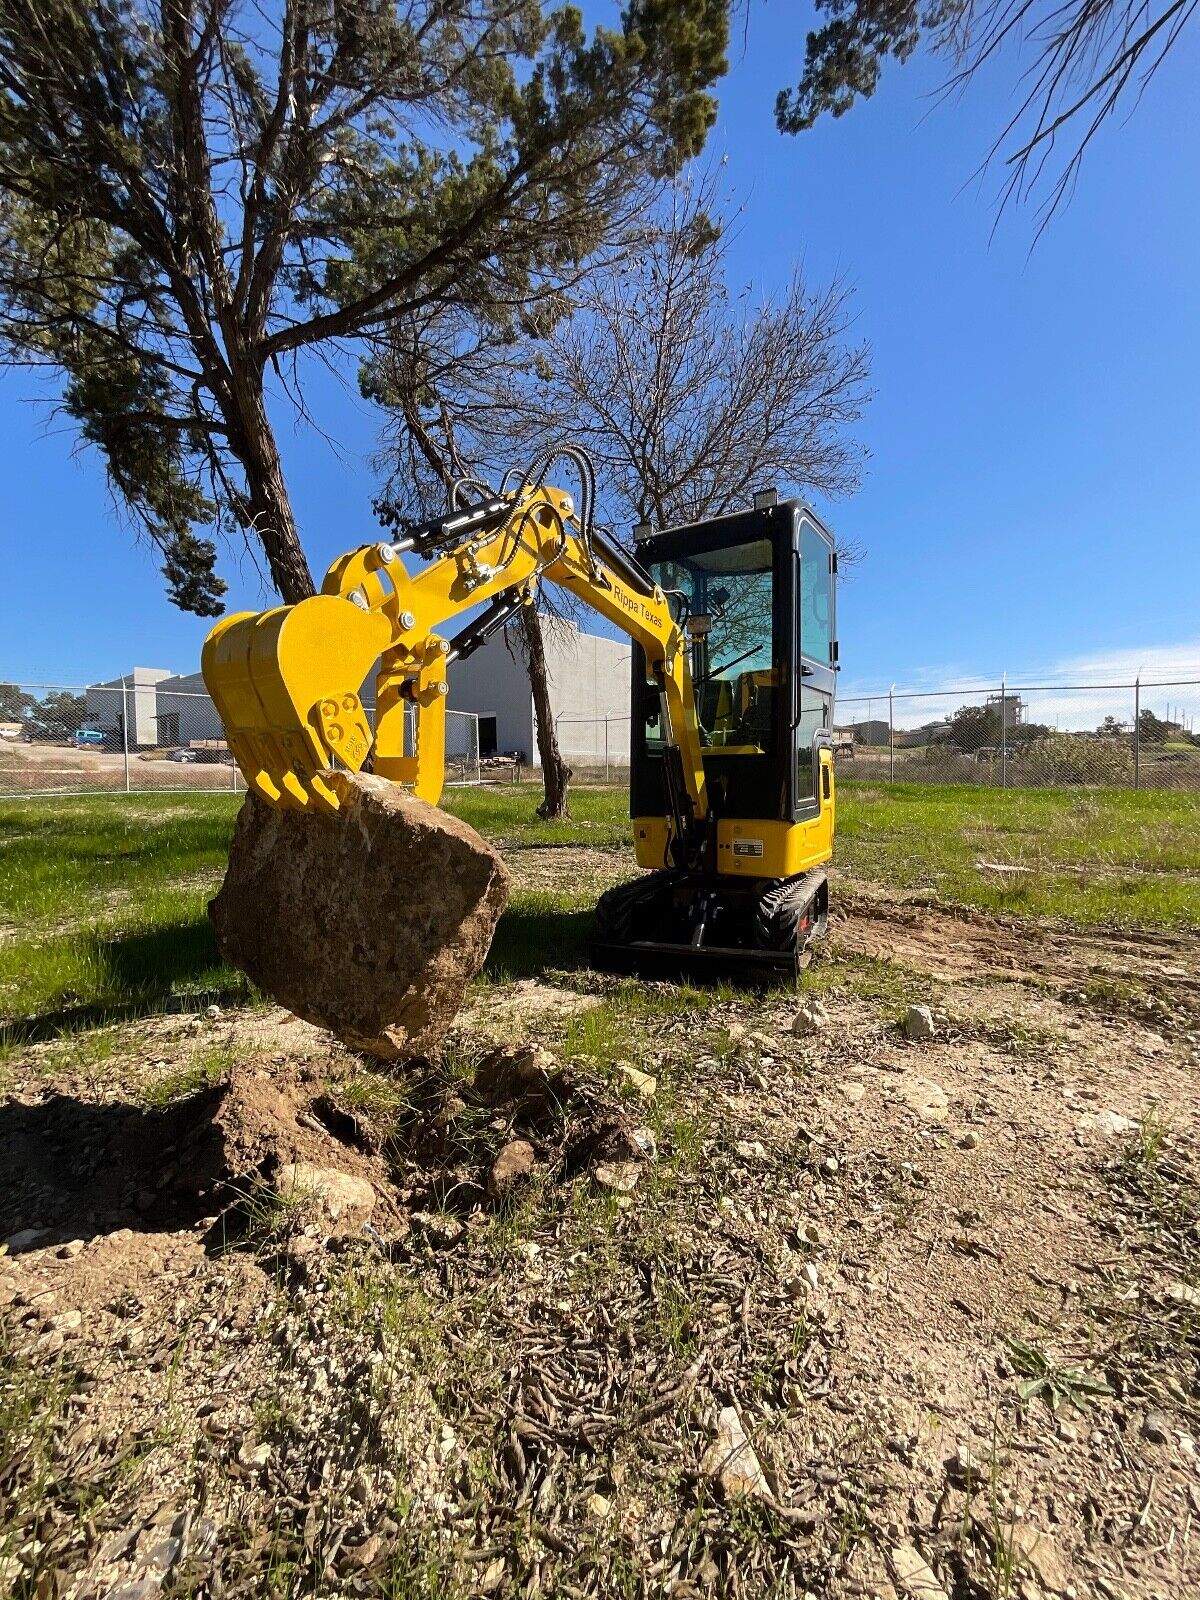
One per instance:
(589, 681)
(494, 684)
(186, 697)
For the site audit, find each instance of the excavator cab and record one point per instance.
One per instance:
(754, 593)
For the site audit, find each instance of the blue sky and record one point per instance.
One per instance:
(1032, 499)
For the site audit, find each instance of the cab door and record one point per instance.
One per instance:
(815, 678)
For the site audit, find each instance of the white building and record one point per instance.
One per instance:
(589, 690)
(129, 701)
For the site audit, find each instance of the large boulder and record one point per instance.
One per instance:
(371, 922)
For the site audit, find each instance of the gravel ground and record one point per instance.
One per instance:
(635, 1291)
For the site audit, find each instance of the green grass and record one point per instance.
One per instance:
(1099, 856)
(102, 900)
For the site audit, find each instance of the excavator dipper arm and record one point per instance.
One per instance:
(288, 682)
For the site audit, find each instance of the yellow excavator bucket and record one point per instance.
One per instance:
(286, 684)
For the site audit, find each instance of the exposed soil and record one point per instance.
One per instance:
(891, 1259)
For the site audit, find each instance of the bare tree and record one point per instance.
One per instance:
(688, 397)
(1083, 58)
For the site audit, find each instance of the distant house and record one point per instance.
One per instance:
(871, 732)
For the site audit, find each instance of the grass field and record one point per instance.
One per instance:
(102, 901)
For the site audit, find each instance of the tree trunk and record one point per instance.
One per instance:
(556, 775)
(273, 522)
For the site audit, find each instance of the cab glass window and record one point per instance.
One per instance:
(725, 600)
(814, 719)
(816, 596)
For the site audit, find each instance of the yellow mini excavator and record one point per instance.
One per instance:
(733, 672)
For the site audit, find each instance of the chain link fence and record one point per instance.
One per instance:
(146, 735)
(1140, 735)
(153, 732)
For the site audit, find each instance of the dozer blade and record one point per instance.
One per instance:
(286, 685)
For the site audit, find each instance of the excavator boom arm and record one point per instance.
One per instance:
(287, 682)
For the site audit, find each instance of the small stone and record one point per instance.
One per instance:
(965, 1468)
(922, 1095)
(751, 1150)
(254, 1457)
(358, 1557)
(67, 1322)
(597, 1507)
(1068, 1433)
(212, 1013)
(919, 1024)
(730, 1458)
(619, 1176)
(1155, 1428)
(511, 1169)
(914, 1575)
(642, 1084)
(521, 1073)
(811, 1018)
(809, 1273)
(1108, 1124)
(340, 1195)
(969, 1141)
(830, 1166)
(1041, 1554)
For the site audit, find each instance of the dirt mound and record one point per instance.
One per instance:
(71, 1169)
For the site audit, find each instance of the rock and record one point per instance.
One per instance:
(371, 922)
(340, 1195)
(809, 1273)
(919, 1024)
(830, 1166)
(966, 1469)
(1039, 1552)
(619, 1176)
(67, 1252)
(641, 1083)
(511, 1169)
(254, 1457)
(67, 1322)
(598, 1507)
(358, 1557)
(730, 1458)
(924, 1096)
(811, 1018)
(1108, 1124)
(1183, 1294)
(913, 1574)
(1156, 1428)
(969, 1141)
(24, 1239)
(212, 1013)
(524, 1073)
